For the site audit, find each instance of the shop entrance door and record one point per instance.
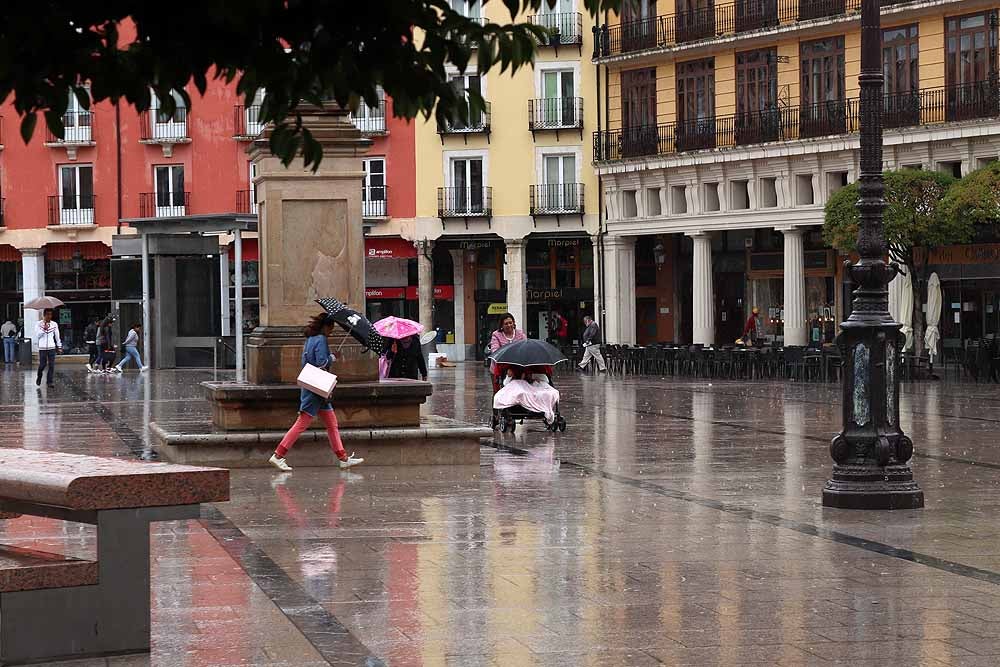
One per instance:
(991, 314)
(729, 289)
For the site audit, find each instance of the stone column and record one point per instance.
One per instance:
(517, 281)
(703, 298)
(311, 246)
(619, 292)
(33, 280)
(425, 283)
(458, 266)
(796, 328)
(595, 239)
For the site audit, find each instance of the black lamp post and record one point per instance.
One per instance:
(871, 454)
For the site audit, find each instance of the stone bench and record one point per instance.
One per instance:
(54, 607)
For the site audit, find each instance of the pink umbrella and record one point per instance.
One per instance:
(398, 327)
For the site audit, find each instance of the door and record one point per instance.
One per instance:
(76, 195)
(77, 121)
(639, 131)
(756, 14)
(638, 27)
(467, 191)
(253, 187)
(823, 107)
(559, 18)
(559, 105)
(696, 104)
(559, 192)
(252, 114)
(695, 20)
(463, 84)
(757, 116)
(901, 73)
(970, 67)
(373, 192)
(169, 126)
(170, 199)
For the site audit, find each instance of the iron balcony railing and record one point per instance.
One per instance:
(158, 126)
(465, 202)
(72, 209)
(247, 124)
(555, 198)
(78, 128)
(553, 113)
(245, 202)
(720, 20)
(563, 28)
(370, 120)
(164, 204)
(374, 201)
(924, 107)
(477, 123)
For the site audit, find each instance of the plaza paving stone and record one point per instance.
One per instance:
(675, 522)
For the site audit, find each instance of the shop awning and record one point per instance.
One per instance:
(251, 251)
(9, 253)
(389, 247)
(87, 250)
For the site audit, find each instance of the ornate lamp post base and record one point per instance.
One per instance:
(855, 487)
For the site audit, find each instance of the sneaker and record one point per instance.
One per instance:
(115, 369)
(351, 462)
(279, 463)
(90, 369)
(38, 381)
(143, 369)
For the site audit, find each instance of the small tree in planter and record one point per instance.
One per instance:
(915, 217)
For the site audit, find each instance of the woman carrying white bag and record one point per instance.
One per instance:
(315, 353)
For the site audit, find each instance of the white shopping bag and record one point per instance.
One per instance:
(317, 380)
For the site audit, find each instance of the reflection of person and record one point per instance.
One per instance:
(131, 349)
(752, 332)
(9, 334)
(48, 342)
(406, 359)
(316, 352)
(592, 344)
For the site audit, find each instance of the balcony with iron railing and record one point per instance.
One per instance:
(924, 107)
(370, 120)
(164, 204)
(247, 124)
(720, 20)
(478, 123)
(78, 129)
(465, 202)
(71, 210)
(374, 202)
(159, 127)
(555, 113)
(556, 199)
(246, 202)
(564, 28)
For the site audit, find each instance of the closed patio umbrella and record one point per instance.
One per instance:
(932, 334)
(901, 305)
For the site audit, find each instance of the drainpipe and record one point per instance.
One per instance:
(118, 144)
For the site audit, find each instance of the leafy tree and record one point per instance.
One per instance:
(297, 50)
(914, 218)
(975, 200)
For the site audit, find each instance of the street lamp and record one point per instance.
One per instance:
(871, 454)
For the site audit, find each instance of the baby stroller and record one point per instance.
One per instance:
(505, 420)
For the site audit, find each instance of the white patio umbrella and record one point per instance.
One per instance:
(901, 305)
(932, 335)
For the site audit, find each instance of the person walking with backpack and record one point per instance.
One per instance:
(592, 344)
(132, 350)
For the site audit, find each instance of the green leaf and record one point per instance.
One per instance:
(28, 123)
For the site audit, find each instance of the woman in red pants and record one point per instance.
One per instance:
(317, 353)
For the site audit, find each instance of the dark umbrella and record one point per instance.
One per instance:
(354, 323)
(529, 353)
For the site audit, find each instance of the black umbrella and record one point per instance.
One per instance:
(529, 353)
(354, 323)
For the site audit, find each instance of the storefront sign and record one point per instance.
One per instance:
(475, 245)
(555, 243)
(389, 247)
(385, 293)
(567, 293)
(496, 309)
(983, 253)
(441, 292)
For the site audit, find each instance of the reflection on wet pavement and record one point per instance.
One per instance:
(675, 522)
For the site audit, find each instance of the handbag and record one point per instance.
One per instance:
(317, 380)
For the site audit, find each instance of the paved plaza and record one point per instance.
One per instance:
(675, 522)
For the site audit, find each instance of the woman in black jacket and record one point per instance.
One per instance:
(406, 359)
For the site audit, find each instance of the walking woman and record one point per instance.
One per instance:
(316, 352)
(132, 349)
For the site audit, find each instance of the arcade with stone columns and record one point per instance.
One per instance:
(312, 246)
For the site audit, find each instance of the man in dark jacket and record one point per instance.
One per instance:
(406, 359)
(592, 344)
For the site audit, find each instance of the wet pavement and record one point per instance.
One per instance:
(675, 522)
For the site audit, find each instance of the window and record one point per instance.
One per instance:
(696, 104)
(835, 180)
(712, 197)
(169, 126)
(695, 19)
(768, 192)
(252, 113)
(373, 192)
(467, 186)
(463, 83)
(954, 168)
(630, 205)
(900, 60)
(77, 121)
(639, 132)
(371, 119)
(804, 195)
(170, 196)
(740, 195)
(653, 207)
(76, 194)
(559, 191)
(472, 9)
(559, 18)
(253, 187)
(559, 93)
(678, 199)
(638, 24)
(823, 107)
(756, 81)
(970, 48)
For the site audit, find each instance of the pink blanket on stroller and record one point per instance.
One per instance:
(534, 396)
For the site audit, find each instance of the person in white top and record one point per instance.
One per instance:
(131, 349)
(9, 334)
(48, 342)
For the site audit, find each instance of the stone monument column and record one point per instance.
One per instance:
(311, 246)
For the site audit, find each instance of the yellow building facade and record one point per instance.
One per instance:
(729, 125)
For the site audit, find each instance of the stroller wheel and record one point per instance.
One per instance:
(561, 424)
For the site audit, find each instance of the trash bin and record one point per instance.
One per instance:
(24, 351)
